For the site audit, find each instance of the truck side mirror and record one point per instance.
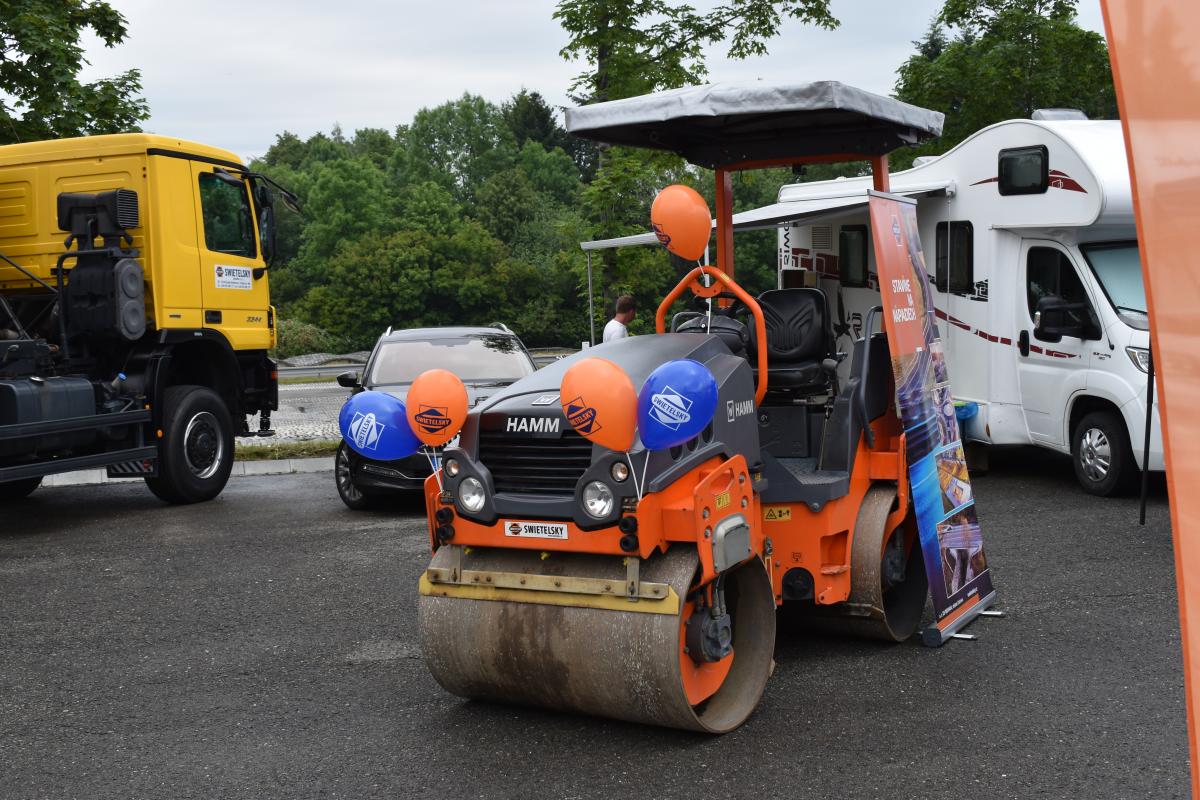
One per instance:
(266, 233)
(348, 380)
(1055, 318)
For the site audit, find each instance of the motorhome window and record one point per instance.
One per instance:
(1118, 267)
(852, 255)
(1049, 272)
(1024, 170)
(228, 224)
(955, 252)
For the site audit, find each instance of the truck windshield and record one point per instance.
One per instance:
(474, 359)
(1118, 267)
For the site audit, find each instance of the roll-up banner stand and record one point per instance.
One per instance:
(951, 542)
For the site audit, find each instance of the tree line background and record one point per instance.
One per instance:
(472, 212)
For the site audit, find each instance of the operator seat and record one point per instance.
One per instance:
(799, 339)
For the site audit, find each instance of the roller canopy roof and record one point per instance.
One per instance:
(727, 123)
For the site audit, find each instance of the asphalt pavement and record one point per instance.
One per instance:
(264, 645)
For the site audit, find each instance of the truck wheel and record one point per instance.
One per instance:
(1102, 455)
(343, 473)
(18, 490)
(196, 450)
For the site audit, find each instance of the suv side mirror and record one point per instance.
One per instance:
(348, 380)
(1056, 318)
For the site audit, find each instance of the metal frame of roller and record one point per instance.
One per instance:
(663, 610)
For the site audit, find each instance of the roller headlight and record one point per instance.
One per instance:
(598, 499)
(470, 494)
(452, 467)
(620, 471)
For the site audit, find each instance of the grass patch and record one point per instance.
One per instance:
(275, 452)
(303, 379)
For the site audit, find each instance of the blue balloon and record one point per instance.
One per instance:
(375, 426)
(676, 403)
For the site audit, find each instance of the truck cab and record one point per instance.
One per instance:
(134, 311)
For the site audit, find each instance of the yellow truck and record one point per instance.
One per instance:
(135, 315)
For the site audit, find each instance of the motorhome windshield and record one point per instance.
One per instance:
(1118, 267)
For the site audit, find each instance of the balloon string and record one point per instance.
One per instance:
(633, 470)
(645, 471)
(434, 466)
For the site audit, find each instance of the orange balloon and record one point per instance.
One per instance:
(681, 221)
(599, 402)
(436, 406)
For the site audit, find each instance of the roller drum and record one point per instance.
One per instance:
(622, 661)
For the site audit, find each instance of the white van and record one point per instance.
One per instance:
(1030, 242)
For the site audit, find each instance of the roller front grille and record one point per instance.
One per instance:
(528, 465)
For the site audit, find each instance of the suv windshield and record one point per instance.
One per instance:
(1118, 267)
(473, 358)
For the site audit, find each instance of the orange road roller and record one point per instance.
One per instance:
(613, 534)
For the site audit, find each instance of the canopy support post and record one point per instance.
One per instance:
(879, 173)
(725, 221)
(591, 313)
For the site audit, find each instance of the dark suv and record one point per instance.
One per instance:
(487, 359)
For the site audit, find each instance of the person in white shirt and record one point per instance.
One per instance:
(626, 311)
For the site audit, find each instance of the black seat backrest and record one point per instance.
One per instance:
(798, 326)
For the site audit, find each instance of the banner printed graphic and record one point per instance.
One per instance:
(951, 541)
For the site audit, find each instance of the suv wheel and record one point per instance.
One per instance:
(1102, 455)
(343, 473)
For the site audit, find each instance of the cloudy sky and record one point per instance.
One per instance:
(233, 73)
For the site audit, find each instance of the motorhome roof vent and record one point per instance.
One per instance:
(1057, 114)
(921, 160)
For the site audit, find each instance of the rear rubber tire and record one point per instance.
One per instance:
(1102, 455)
(18, 490)
(355, 498)
(196, 449)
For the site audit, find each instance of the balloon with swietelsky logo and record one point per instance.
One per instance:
(676, 403)
(437, 406)
(600, 403)
(375, 425)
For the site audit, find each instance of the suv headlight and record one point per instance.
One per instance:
(598, 499)
(470, 494)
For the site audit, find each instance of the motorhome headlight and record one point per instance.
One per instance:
(470, 494)
(598, 499)
(452, 467)
(1140, 356)
(620, 471)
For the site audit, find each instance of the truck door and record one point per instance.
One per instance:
(234, 288)
(1050, 371)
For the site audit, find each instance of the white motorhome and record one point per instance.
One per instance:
(1029, 238)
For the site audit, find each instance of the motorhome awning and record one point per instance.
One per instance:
(804, 212)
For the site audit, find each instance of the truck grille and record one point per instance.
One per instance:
(535, 465)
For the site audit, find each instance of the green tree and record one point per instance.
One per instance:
(344, 200)
(638, 46)
(41, 96)
(1009, 57)
(459, 144)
